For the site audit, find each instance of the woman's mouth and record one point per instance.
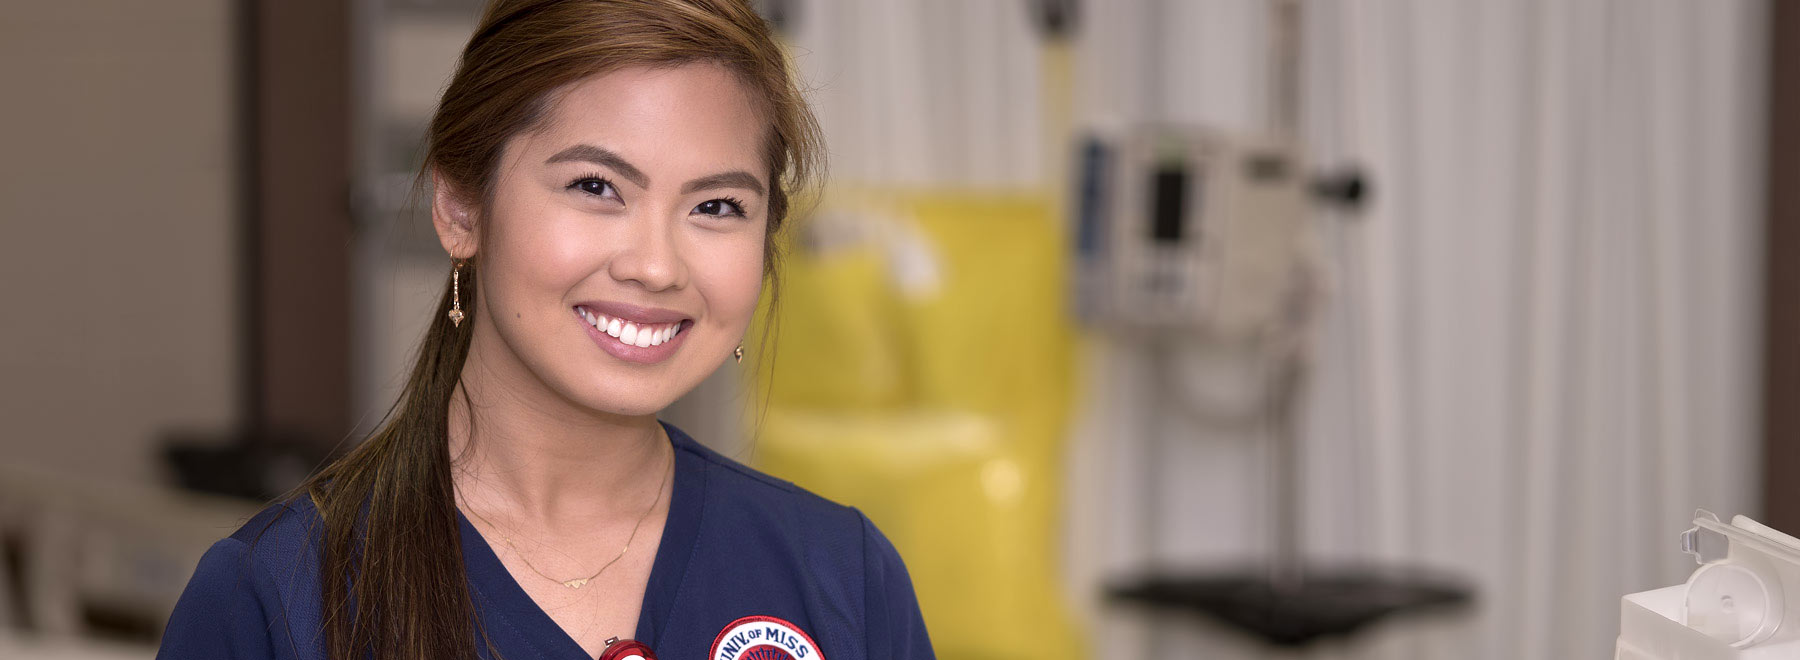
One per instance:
(633, 340)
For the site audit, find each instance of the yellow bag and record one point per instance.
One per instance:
(940, 411)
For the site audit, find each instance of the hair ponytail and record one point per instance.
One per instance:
(391, 557)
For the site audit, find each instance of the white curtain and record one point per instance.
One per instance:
(924, 92)
(1540, 350)
(1546, 332)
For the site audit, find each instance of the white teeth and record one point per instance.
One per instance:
(632, 334)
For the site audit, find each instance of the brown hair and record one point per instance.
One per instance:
(391, 571)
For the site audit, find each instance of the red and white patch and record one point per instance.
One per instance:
(764, 638)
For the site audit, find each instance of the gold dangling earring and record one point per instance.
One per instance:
(456, 313)
(739, 353)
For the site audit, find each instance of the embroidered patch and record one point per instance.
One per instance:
(764, 638)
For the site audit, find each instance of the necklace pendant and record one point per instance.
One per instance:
(576, 583)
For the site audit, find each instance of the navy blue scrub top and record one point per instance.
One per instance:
(737, 544)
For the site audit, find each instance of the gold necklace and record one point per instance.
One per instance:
(578, 583)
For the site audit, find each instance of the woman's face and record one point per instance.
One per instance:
(621, 252)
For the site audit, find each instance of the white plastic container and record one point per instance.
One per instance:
(1733, 607)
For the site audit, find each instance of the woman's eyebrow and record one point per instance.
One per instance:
(605, 157)
(602, 156)
(732, 179)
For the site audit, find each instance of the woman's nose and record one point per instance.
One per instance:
(650, 256)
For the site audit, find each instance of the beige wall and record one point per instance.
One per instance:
(117, 281)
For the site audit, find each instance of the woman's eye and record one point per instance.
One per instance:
(719, 207)
(595, 186)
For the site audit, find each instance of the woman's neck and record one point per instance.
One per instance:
(540, 461)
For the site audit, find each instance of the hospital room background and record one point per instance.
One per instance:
(1406, 329)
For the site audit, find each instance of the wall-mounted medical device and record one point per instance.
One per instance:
(1734, 607)
(1187, 228)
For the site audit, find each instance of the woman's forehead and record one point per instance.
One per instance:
(677, 119)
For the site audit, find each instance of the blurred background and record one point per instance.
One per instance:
(1145, 328)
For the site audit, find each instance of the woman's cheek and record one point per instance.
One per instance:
(735, 277)
(558, 238)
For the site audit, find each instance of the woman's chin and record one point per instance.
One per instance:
(626, 401)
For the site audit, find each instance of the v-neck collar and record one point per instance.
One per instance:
(497, 593)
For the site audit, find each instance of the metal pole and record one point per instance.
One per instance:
(1284, 377)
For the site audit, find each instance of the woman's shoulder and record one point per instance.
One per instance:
(829, 538)
(285, 527)
(742, 491)
(802, 558)
(253, 591)
(278, 547)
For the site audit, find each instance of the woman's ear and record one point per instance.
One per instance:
(454, 218)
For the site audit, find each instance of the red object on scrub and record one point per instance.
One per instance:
(626, 649)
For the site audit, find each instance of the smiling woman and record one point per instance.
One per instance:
(632, 201)
(607, 176)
